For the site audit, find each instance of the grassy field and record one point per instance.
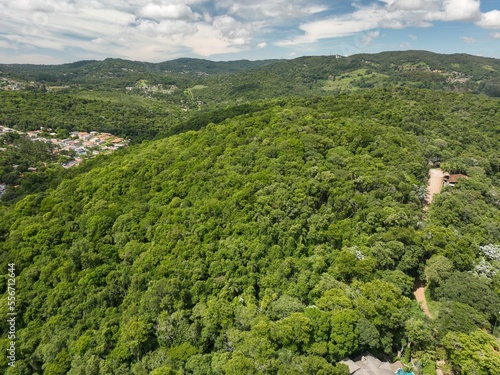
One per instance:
(352, 80)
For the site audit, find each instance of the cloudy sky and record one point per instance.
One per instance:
(57, 31)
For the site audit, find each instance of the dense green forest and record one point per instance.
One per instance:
(273, 237)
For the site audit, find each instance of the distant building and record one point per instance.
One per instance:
(452, 179)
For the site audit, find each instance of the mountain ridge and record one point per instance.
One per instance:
(313, 74)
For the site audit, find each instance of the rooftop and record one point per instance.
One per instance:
(453, 178)
(369, 365)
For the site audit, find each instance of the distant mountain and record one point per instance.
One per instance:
(92, 70)
(245, 79)
(317, 74)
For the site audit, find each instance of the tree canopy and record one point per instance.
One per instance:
(280, 240)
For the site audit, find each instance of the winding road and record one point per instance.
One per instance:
(434, 186)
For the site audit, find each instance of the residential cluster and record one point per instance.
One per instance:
(4, 129)
(79, 144)
(153, 89)
(8, 84)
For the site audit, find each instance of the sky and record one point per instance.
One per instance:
(61, 31)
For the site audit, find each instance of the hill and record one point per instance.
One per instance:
(119, 71)
(458, 72)
(162, 98)
(278, 241)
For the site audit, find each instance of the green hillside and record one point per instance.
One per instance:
(268, 78)
(280, 240)
(144, 100)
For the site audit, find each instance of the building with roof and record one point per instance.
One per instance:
(370, 365)
(452, 179)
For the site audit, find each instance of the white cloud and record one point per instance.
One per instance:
(460, 10)
(171, 11)
(233, 31)
(41, 5)
(413, 37)
(96, 29)
(496, 35)
(270, 10)
(490, 20)
(99, 41)
(395, 14)
(207, 42)
(412, 4)
(468, 39)
(334, 27)
(365, 39)
(166, 28)
(363, 19)
(156, 30)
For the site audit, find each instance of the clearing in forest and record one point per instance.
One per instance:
(434, 186)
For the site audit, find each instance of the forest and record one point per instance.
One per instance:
(266, 236)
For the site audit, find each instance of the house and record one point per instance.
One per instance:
(369, 365)
(452, 179)
(33, 134)
(84, 136)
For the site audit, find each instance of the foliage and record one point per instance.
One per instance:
(475, 353)
(279, 240)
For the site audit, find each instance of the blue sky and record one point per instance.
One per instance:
(58, 31)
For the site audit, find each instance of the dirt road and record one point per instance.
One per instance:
(434, 185)
(420, 297)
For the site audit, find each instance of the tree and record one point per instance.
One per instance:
(459, 317)
(472, 290)
(418, 333)
(473, 353)
(293, 332)
(344, 336)
(133, 339)
(369, 337)
(437, 269)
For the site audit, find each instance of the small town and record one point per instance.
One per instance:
(74, 149)
(79, 144)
